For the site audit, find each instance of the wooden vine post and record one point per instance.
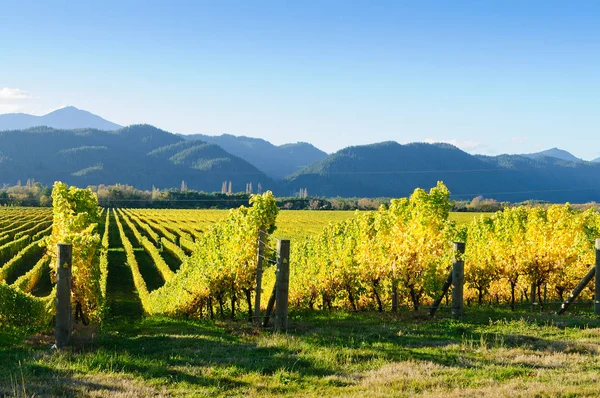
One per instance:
(597, 287)
(532, 297)
(259, 260)
(578, 289)
(458, 280)
(282, 285)
(280, 294)
(592, 273)
(394, 289)
(445, 288)
(63, 294)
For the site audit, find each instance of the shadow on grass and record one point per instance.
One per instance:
(163, 351)
(404, 336)
(171, 260)
(224, 357)
(148, 269)
(155, 345)
(123, 300)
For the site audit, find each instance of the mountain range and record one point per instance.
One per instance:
(145, 156)
(64, 118)
(142, 156)
(276, 161)
(392, 169)
(554, 153)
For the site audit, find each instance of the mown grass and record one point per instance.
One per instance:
(490, 352)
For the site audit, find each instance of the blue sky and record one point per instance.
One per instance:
(489, 76)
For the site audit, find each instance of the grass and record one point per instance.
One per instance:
(123, 300)
(146, 265)
(297, 224)
(488, 352)
(462, 218)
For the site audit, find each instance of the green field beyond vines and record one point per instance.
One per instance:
(291, 224)
(173, 289)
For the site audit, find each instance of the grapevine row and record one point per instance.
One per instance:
(401, 253)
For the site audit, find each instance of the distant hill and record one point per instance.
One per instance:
(554, 153)
(65, 118)
(139, 155)
(394, 170)
(145, 156)
(276, 161)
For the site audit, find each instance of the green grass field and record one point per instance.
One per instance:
(465, 218)
(487, 353)
(297, 224)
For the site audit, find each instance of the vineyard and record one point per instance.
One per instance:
(25, 285)
(400, 255)
(148, 265)
(196, 263)
(155, 244)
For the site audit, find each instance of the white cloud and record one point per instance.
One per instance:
(15, 100)
(465, 145)
(11, 94)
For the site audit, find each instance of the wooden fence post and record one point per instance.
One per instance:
(270, 305)
(394, 289)
(458, 280)
(282, 283)
(532, 294)
(259, 259)
(578, 289)
(597, 287)
(63, 295)
(438, 301)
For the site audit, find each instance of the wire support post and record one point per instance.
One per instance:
(280, 295)
(578, 289)
(458, 280)
(438, 301)
(63, 295)
(259, 271)
(597, 282)
(282, 285)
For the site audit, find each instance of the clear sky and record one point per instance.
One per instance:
(489, 76)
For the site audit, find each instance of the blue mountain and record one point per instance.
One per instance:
(66, 118)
